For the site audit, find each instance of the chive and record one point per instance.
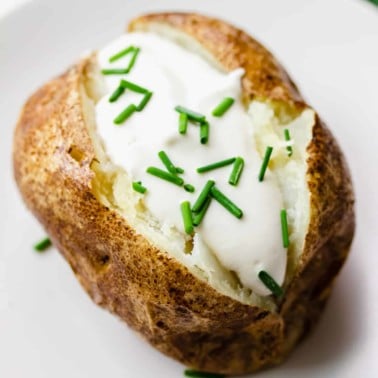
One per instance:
(265, 162)
(204, 132)
(189, 188)
(144, 102)
(114, 71)
(223, 106)
(116, 94)
(179, 170)
(284, 228)
(202, 374)
(287, 138)
(270, 283)
(226, 202)
(134, 87)
(165, 176)
(125, 114)
(193, 116)
(167, 162)
(203, 196)
(121, 54)
(183, 123)
(187, 217)
(197, 219)
(121, 71)
(138, 187)
(133, 59)
(236, 171)
(218, 164)
(42, 245)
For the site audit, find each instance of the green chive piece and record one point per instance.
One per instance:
(144, 101)
(193, 116)
(125, 114)
(197, 218)
(285, 230)
(165, 176)
(223, 106)
(187, 217)
(122, 71)
(270, 283)
(236, 171)
(289, 149)
(114, 71)
(42, 245)
(167, 162)
(183, 123)
(138, 187)
(201, 374)
(134, 87)
(133, 59)
(189, 188)
(204, 132)
(121, 54)
(203, 196)
(116, 94)
(226, 202)
(265, 162)
(218, 164)
(179, 170)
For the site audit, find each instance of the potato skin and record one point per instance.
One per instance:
(177, 313)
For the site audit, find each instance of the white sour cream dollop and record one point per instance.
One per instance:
(177, 76)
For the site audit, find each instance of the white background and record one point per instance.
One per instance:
(48, 325)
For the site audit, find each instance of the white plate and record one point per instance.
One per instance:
(48, 325)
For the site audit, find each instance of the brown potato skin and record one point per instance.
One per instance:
(177, 313)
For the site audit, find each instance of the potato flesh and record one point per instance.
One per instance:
(113, 188)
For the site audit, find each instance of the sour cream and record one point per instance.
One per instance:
(177, 76)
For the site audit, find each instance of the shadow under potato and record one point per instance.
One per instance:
(337, 334)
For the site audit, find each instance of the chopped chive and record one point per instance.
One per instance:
(167, 162)
(165, 176)
(226, 202)
(189, 188)
(114, 71)
(144, 101)
(202, 374)
(197, 218)
(285, 230)
(121, 71)
(289, 149)
(270, 283)
(203, 196)
(138, 187)
(187, 217)
(179, 170)
(183, 123)
(204, 132)
(236, 171)
(116, 94)
(193, 116)
(125, 114)
(265, 162)
(134, 87)
(121, 54)
(223, 106)
(133, 59)
(42, 245)
(218, 164)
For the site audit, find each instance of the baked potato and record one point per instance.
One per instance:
(205, 314)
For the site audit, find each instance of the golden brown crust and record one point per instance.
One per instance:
(157, 296)
(232, 48)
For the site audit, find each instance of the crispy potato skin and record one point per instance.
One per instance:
(179, 314)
